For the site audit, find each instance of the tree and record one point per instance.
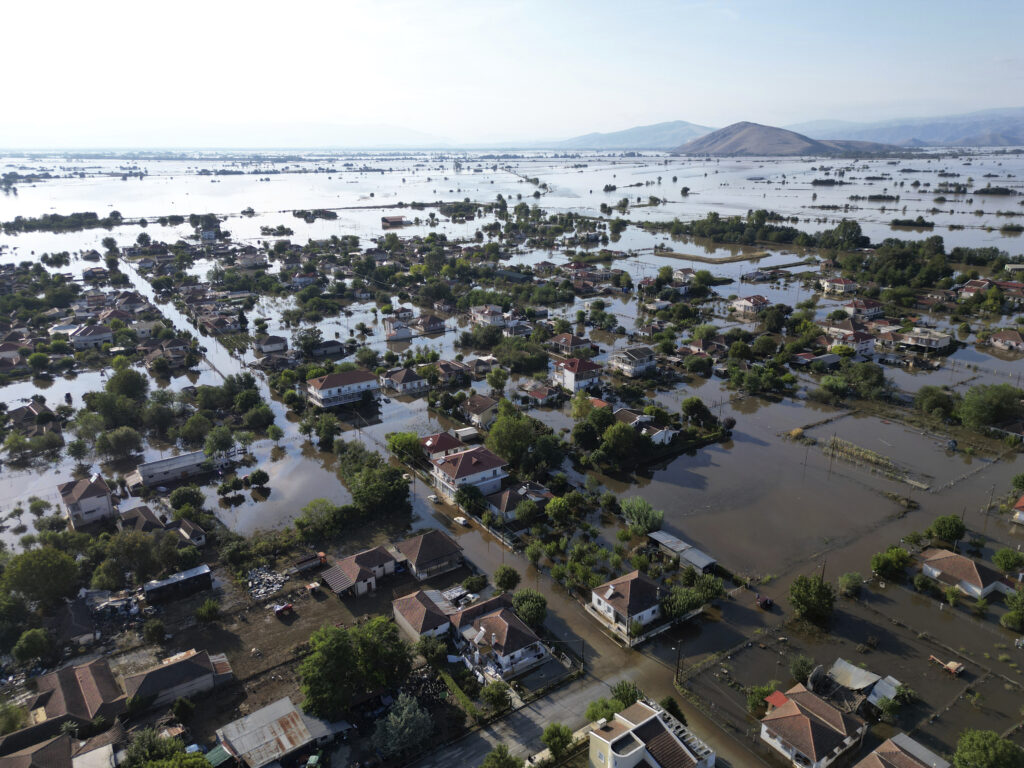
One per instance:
(557, 738)
(38, 361)
(988, 404)
(183, 709)
(627, 692)
(891, 564)
(195, 429)
(603, 709)
(33, 644)
(219, 440)
(187, 494)
(949, 528)
(119, 443)
(850, 584)
(1008, 560)
(432, 649)
(129, 383)
(153, 631)
(259, 478)
(12, 717)
(985, 749)
(641, 515)
(497, 695)
(78, 450)
(531, 606)
(512, 435)
(259, 417)
(506, 578)
(559, 511)
(497, 378)
(800, 667)
(275, 433)
(405, 445)
(581, 405)
(499, 757)
(812, 598)
(670, 705)
(405, 728)
(46, 575)
(307, 339)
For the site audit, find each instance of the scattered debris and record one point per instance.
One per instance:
(263, 582)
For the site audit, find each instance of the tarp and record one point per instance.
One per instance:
(852, 677)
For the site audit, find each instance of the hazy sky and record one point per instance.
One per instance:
(198, 73)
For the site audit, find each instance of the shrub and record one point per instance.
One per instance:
(208, 612)
(800, 667)
(850, 584)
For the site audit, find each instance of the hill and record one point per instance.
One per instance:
(753, 139)
(988, 128)
(657, 136)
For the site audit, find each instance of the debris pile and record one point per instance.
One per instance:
(264, 582)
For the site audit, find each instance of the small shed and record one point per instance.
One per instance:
(686, 552)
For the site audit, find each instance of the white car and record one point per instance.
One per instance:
(462, 521)
(433, 498)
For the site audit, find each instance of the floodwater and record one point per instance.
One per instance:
(795, 504)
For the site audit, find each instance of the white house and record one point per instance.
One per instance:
(481, 410)
(418, 616)
(927, 338)
(970, 577)
(487, 314)
(91, 336)
(404, 380)
(476, 466)
(396, 330)
(862, 343)
(495, 640)
(442, 444)
(625, 600)
(1007, 339)
(864, 309)
(807, 730)
(575, 373)
(86, 501)
(838, 285)
(633, 361)
(341, 388)
(643, 734)
(268, 344)
(357, 574)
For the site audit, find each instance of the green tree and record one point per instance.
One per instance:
(12, 717)
(1008, 560)
(800, 667)
(153, 631)
(405, 445)
(129, 383)
(219, 440)
(891, 564)
(275, 433)
(119, 443)
(850, 584)
(812, 598)
(557, 738)
(258, 478)
(627, 692)
(987, 404)
(195, 429)
(643, 517)
(581, 405)
(38, 361)
(497, 695)
(985, 749)
(183, 709)
(603, 709)
(499, 757)
(949, 528)
(46, 575)
(33, 644)
(531, 606)
(506, 578)
(497, 378)
(432, 649)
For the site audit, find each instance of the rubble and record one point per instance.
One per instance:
(263, 582)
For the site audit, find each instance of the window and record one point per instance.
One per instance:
(600, 757)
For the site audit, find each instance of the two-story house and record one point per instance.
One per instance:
(807, 730)
(630, 600)
(441, 444)
(404, 381)
(633, 361)
(476, 467)
(645, 735)
(481, 410)
(487, 314)
(91, 336)
(568, 344)
(838, 285)
(750, 305)
(86, 500)
(576, 373)
(342, 388)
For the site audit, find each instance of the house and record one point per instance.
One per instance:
(341, 388)
(55, 752)
(141, 519)
(358, 573)
(91, 336)
(268, 344)
(481, 410)
(926, 339)
(807, 730)
(476, 467)
(451, 372)
(430, 554)
(686, 552)
(405, 381)
(272, 733)
(972, 287)
(864, 309)
(645, 735)
(626, 601)
(487, 314)
(568, 344)
(576, 373)
(86, 501)
(73, 694)
(10, 350)
(184, 675)
(396, 330)
(442, 444)
(970, 577)
(430, 324)
(861, 343)
(216, 325)
(901, 751)
(328, 348)
(633, 361)
(496, 641)
(1018, 511)
(541, 395)
(505, 502)
(838, 285)
(750, 305)
(171, 469)
(418, 616)
(303, 279)
(1008, 339)
(392, 221)
(144, 329)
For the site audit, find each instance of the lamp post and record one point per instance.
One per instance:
(679, 650)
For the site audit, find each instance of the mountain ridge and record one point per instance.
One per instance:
(746, 139)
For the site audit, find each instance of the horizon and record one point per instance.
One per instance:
(397, 74)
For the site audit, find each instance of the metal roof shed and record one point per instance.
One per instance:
(267, 734)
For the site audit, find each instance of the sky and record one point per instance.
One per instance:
(303, 73)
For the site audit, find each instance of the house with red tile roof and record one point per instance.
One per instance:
(807, 730)
(476, 466)
(969, 576)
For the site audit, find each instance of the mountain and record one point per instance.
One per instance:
(988, 128)
(752, 139)
(657, 136)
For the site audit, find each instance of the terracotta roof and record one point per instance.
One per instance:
(810, 724)
(428, 547)
(629, 595)
(55, 753)
(81, 692)
(469, 462)
(477, 404)
(471, 613)
(403, 375)
(568, 340)
(960, 568)
(442, 441)
(343, 379)
(505, 631)
(358, 567)
(901, 752)
(420, 612)
(578, 365)
(507, 500)
(173, 672)
(141, 518)
(76, 490)
(665, 748)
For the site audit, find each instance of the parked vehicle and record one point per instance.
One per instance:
(462, 521)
